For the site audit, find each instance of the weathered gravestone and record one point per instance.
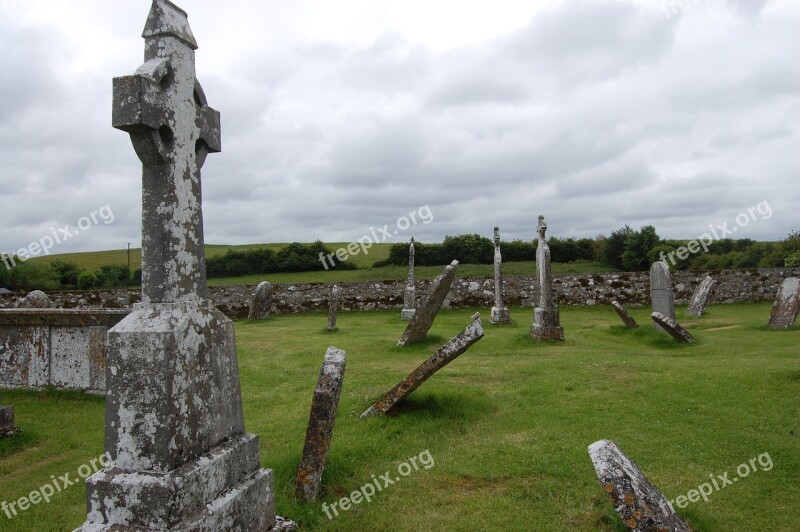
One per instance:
(333, 308)
(661, 294)
(424, 316)
(640, 505)
(181, 459)
(699, 301)
(673, 328)
(784, 310)
(35, 299)
(261, 302)
(499, 312)
(7, 426)
(546, 321)
(623, 314)
(443, 356)
(410, 294)
(320, 425)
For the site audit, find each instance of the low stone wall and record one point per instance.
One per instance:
(631, 289)
(55, 347)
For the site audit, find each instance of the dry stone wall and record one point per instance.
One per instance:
(630, 289)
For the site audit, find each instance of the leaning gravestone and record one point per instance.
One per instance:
(784, 310)
(624, 315)
(443, 356)
(661, 295)
(410, 294)
(333, 308)
(546, 321)
(640, 505)
(424, 316)
(699, 301)
(673, 328)
(35, 299)
(320, 425)
(500, 312)
(181, 459)
(7, 426)
(261, 302)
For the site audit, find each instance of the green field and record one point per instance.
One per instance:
(93, 261)
(507, 424)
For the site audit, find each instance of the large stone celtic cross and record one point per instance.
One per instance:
(172, 128)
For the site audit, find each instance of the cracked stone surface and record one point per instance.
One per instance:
(320, 425)
(443, 356)
(640, 505)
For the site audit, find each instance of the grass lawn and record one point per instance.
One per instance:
(507, 424)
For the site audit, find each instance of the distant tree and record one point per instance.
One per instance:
(468, 249)
(614, 247)
(87, 280)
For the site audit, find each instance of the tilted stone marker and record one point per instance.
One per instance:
(623, 314)
(499, 312)
(333, 308)
(443, 356)
(410, 294)
(640, 505)
(661, 294)
(673, 328)
(35, 299)
(261, 302)
(424, 316)
(181, 459)
(699, 301)
(546, 321)
(7, 426)
(320, 425)
(784, 310)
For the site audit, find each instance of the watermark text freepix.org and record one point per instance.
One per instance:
(361, 245)
(718, 232)
(58, 235)
(720, 481)
(56, 485)
(379, 483)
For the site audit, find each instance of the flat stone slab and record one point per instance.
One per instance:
(7, 426)
(623, 314)
(320, 425)
(261, 302)
(700, 297)
(443, 356)
(640, 505)
(673, 328)
(423, 318)
(784, 310)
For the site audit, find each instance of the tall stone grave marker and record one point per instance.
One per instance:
(546, 321)
(661, 294)
(333, 308)
(499, 312)
(784, 310)
(421, 323)
(261, 302)
(410, 295)
(320, 425)
(174, 426)
(699, 301)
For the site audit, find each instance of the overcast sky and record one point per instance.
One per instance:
(342, 116)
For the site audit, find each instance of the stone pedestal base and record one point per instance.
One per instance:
(7, 426)
(224, 489)
(500, 315)
(407, 313)
(547, 325)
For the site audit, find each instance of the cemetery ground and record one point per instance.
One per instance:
(507, 424)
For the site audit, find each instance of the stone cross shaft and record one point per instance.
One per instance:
(172, 128)
(543, 268)
(498, 270)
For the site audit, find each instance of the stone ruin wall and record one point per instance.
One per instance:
(630, 289)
